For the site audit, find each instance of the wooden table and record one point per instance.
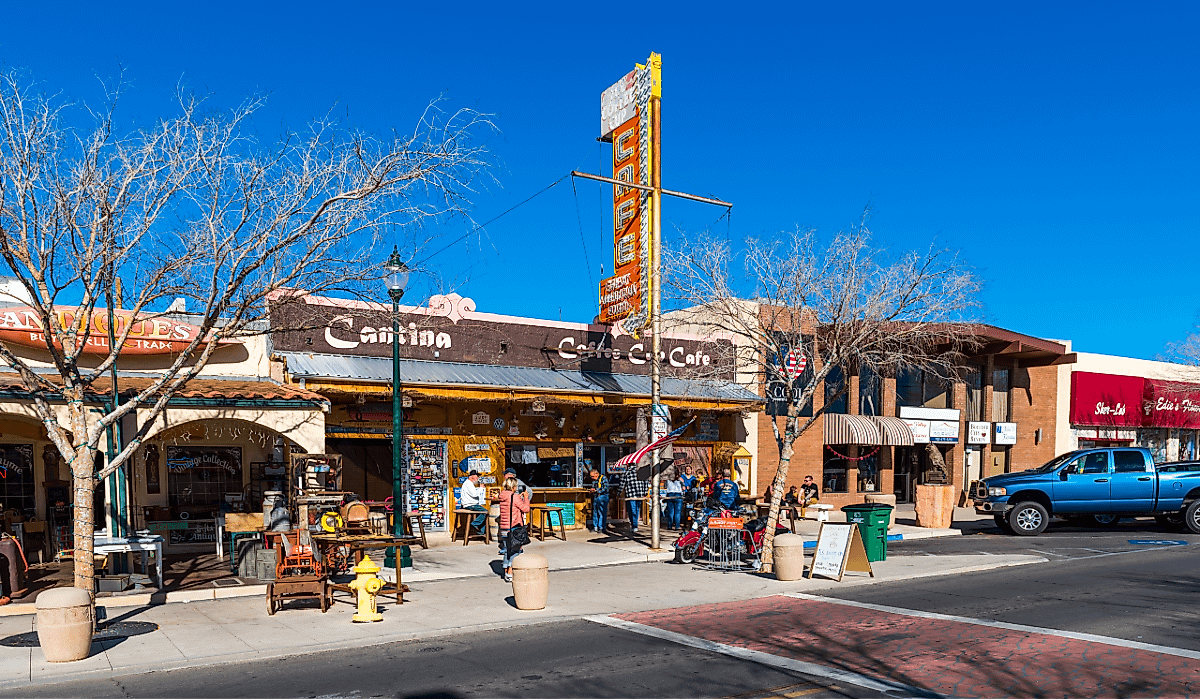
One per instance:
(540, 515)
(465, 515)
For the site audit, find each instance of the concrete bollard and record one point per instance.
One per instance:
(64, 624)
(889, 499)
(788, 557)
(531, 581)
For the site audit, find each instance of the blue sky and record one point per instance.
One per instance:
(1053, 144)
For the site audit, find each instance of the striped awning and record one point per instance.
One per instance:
(845, 429)
(894, 430)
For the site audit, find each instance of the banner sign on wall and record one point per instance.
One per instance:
(943, 431)
(1006, 434)
(979, 433)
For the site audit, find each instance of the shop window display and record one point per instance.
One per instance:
(199, 477)
(1155, 440)
(868, 473)
(16, 478)
(833, 473)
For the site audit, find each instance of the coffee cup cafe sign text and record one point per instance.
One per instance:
(450, 330)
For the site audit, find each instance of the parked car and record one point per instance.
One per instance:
(1099, 485)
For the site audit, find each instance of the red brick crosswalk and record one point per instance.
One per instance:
(947, 657)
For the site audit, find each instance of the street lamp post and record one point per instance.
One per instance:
(396, 279)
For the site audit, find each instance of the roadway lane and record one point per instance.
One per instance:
(560, 660)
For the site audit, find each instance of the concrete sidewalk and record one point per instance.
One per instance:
(238, 629)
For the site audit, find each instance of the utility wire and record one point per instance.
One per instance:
(494, 218)
(579, 218)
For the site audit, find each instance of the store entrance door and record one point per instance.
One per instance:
(908, 466)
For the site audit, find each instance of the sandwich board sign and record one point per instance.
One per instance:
(839, 549)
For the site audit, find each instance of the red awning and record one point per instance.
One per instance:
(1106, 399)
(1113, 400)
(1171, 404)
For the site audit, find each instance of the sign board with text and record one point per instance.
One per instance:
(1006, 434)
(839, 549)
(979, 433)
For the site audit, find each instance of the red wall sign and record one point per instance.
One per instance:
(149, 336)
(1171, 404)
(1134, 402)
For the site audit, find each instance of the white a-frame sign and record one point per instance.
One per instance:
(839, 549)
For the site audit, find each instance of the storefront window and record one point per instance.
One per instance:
(1187, 444)
(915, 387)
(199, 477)
(868, 474)
(16, 478)
(1000, 396)
(908, 387)
(870, 390)
(836, 391)
(543, 466)
(972, 381)
(1155, 440)
(833, 474)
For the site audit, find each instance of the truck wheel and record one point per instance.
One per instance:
(1002, 523)
(1103, 520)
(1028, 518)
(1191, 517)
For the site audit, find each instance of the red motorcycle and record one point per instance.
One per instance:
(748, 545)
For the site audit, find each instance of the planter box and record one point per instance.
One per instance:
(935, 505)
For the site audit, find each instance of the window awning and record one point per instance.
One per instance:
(845, 429)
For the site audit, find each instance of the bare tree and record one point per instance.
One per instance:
(846, 305)
(191, 206)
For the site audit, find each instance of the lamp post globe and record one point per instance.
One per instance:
(396, 279)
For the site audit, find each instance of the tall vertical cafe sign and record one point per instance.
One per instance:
(625, 121)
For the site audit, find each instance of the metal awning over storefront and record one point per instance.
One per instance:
(846, 429)
(319, 371)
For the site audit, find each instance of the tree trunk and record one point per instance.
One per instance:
(85, 517)
(777, 489)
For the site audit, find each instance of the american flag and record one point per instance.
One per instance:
(631, 459)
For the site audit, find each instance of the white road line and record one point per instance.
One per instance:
(1081, 636)
(760, 657)
(1049, 554)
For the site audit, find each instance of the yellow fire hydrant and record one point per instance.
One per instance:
(366, 586)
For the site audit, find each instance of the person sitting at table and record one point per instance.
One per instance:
(767, 494)
(688, 478)
(472, 497)
(513, 507)
(706, 482)
(792, 497)
(809, 493)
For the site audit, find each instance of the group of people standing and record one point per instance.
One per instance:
(678, 487)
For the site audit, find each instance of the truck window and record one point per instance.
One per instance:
(1128, 461)
(1095, 463)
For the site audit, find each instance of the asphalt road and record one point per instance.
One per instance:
(1096, 581)
(560, 660)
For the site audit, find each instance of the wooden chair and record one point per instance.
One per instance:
(417, 525)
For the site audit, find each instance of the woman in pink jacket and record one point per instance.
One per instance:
(513, 508)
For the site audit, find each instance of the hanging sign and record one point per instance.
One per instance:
(979, 433)
(625, 118)
(1006, 434)
(839, 549)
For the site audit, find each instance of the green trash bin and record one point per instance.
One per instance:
(872, 521)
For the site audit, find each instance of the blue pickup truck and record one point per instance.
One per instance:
(1099, 486)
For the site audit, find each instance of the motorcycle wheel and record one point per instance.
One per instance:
(687, 553)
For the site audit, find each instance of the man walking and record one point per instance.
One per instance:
(599, 501)
(473, 497)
